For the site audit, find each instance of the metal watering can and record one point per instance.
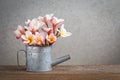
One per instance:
(39, 59)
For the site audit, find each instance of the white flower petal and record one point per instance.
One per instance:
(49, 16)
(26, 41)
(68, 34)
(62, 28)
(56, 20)
(40, 17)
(60, 20)
(27, 22)
(36, 27)
(28, 33)
(20, 27)
(36, 33)
(63, 32)
(41, 24)
(26, 27)
(17, 32)
(23, 37)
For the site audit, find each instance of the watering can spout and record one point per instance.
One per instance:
(60, 60)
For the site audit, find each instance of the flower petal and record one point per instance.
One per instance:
(62, 28)
(26, 41)
(28, 22)
(26, 27)
(39, 38)
(17, 33)
(28, 33)
(67, 34)
(49, 16)
(63, 32)
(56, 20)
(23, 37)
(51, 38)
(40, 18)
(20, 27)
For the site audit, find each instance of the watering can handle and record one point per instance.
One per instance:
(18, 62)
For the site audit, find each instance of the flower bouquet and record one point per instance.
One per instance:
(42, 31)
(39, 34)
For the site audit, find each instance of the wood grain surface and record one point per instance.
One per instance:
(62, 72)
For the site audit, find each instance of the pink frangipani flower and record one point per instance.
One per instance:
(28, 38)
(47, 18)
(20, 31)
(34, 25)
(55, 22)
(51, 38)
(39, 38)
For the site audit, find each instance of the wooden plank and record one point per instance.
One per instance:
(63, 72)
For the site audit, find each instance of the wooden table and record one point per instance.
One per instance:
(63, 72)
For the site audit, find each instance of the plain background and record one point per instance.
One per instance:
(95, 27)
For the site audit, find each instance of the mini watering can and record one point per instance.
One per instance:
(39, 59)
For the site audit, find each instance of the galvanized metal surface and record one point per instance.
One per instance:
(60, 60)
(39, 59)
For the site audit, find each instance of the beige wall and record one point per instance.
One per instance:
(95, 25)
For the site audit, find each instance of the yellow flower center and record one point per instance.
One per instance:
(31, 39)
(39, 40)
(62, 32)
(52, 38)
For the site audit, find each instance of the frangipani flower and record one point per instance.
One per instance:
(34, 25)
(55, 22)
(51, 38)
(39, 38)
(47, 18)
(20, 31)
(28, 38)
(63, 32)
